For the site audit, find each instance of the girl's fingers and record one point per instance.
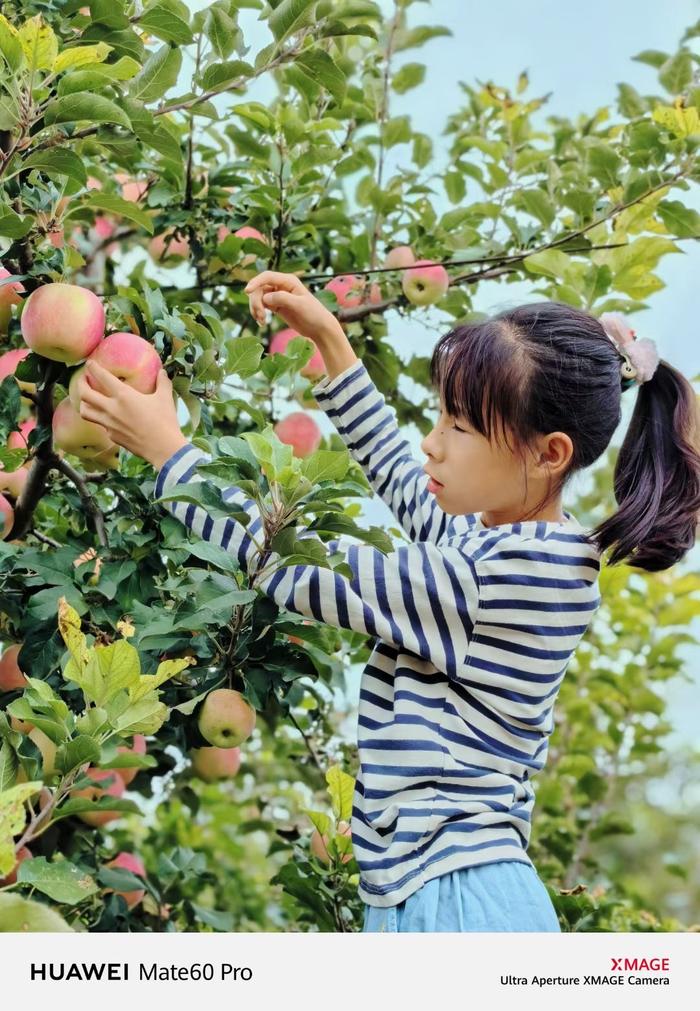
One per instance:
(275, 278)
(277, 300)
(257, 309)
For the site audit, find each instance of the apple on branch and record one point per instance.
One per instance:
(314, 368)
(213, 764)
(226, 719)
(300, 431)
(425, 282)
(63, 322)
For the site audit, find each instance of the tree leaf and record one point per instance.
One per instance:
(676, 73)
(166, 25)
(340, 788)
(409, 76)
(39, 43)
(219, 74)
(680, 220)
(222, 32)
(61, 880)
(158, 74)
(81, 56)
(82, 107)
(58, 161)
(117, 205)
(318, 65)
(289, 16)
(18, 915)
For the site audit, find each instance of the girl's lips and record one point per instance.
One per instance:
(434, 485)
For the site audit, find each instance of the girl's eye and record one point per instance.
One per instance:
(458, 429)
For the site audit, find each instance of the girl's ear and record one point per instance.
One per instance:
(556, 450)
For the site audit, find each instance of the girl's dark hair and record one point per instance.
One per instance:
(549, 367)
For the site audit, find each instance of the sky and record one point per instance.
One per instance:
(578, 53)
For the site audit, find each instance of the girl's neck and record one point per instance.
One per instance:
(552, 514)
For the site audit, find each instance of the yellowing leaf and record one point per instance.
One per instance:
(39, 43)
(681, 122)
(81, 56)
(340, 787)
(12, 819)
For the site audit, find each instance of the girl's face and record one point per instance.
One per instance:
(481, 476)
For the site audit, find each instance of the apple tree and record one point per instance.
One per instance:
(176, 751)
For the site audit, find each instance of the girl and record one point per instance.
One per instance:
(476, 620)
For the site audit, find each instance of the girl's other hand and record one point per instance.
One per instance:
(286, 296)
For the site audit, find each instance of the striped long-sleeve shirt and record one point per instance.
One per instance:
(474, 628)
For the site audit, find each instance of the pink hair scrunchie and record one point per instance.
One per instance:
(641, 357)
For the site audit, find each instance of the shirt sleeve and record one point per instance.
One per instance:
(367, 426)
(420, 597)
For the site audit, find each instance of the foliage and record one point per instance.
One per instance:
(98, 582)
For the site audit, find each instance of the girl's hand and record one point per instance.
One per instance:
(285, 295)
(144, 423)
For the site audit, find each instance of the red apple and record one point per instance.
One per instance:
(138, 747)
(129, 862)
(130, 358)
(300, 431)
(24, 853)
(425, 282)
(319, 843)
(314, 368)
(168, 249)
(212, 764)
(8, 365)
(247, 232)
(11, 677)
(9, 296)
(7, 518)
(13, 481)
(63, 322)
(398, 257)
(76, 435)
(349, 290)
(132, 189)
(114, 789)
(20, 439)
(226, 719)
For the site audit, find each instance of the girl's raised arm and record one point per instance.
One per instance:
(354, 404)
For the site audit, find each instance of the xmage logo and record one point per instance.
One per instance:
(640, 964)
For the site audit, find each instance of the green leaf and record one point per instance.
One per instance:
(455, 186)
(676, 73)
(61, 880)
(80, 107)
(340, 788)
(166, 25)
(117, 205)
(75, 753)
(537, 203)
(682, 221)
(652, 57)
(222, 31)
(12, 819)
(81, 56)
(18, 915)
(319, 66)
(325, 465)
(243, 356)
(58, 162)
(397, 131)
(289, 16)
(98, 76)
(603, 163)
(550, 262)
(158, 75)
(218, 75)
(409, 76)
(412, 38)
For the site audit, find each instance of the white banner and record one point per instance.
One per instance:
(426, 972)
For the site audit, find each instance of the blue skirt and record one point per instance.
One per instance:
(505, 895)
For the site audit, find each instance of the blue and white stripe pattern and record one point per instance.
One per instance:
(474, 627)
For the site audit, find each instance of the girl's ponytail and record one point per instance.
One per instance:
(657, 477)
